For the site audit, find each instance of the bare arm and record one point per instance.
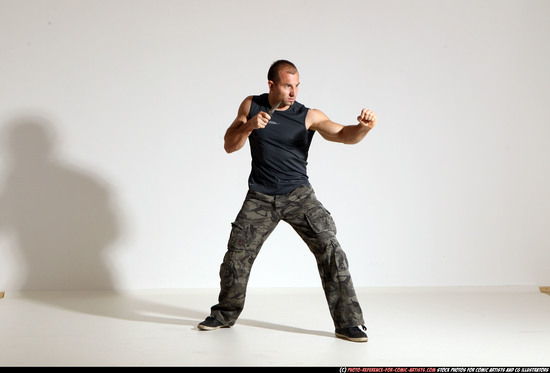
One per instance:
(241, 128)
(316, 120)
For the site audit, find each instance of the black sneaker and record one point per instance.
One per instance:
(354, 334)
(211, 323)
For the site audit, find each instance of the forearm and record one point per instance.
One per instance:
(353, 134)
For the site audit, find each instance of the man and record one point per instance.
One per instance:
(279, 189)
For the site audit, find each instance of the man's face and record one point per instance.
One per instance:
(286, 89)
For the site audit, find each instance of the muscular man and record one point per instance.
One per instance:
(279, 189)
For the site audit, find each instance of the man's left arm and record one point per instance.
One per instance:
(316, 120)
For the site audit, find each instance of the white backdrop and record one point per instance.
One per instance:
(119, 178)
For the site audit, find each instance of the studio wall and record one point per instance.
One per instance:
(112, 117)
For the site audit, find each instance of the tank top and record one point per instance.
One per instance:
(280, 150)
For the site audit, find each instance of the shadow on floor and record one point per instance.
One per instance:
(117, 305)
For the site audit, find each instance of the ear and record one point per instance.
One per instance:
(271, 85)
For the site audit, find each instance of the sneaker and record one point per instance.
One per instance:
(354, 334)
(210, 323)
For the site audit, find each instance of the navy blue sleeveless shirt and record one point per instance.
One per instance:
(279, 151)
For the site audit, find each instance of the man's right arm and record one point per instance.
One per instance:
(241, 128)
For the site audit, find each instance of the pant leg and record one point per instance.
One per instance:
(316, 227)
(254, 223)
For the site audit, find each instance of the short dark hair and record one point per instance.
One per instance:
(273, 73)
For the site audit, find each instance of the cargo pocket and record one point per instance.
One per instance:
(321, 221)
(238, 239)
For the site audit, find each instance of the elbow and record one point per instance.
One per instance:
(229, 148)
(227, 145)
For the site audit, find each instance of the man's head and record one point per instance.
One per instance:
(283, 80)
(280, 65)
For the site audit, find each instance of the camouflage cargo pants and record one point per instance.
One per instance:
(257, 218)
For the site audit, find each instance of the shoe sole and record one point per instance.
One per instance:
(359, 339)
(202, 327)
(208, 328)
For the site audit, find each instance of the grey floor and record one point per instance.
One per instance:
(279, 327)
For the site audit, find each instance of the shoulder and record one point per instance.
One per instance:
(247, 101)
(252, 105)
(314, 118)
(244, 108)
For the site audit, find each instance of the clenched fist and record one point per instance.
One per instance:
(367, 118)
(260, 120)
